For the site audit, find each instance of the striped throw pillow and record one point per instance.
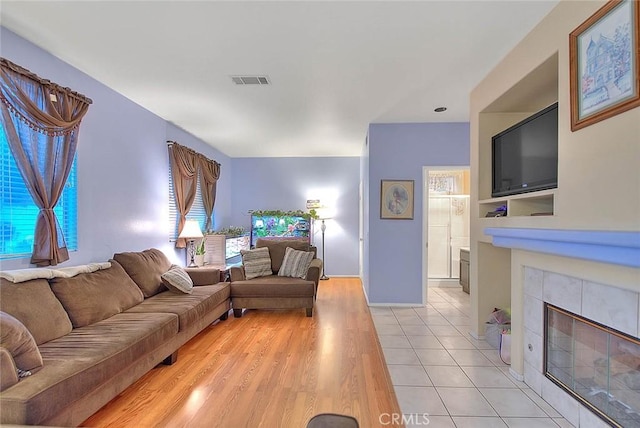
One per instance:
(177, 280)
(295, 263)
(256, 262)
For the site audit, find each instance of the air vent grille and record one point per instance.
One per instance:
(250, 80)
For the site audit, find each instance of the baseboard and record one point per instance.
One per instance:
(516, 375)
(476, 336)
(396, 305)
(444, 283)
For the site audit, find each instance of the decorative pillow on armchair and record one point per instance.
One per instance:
(295, 263)
(256, 262)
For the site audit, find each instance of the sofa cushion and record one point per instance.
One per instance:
(16, 339)
(273, 286)
(78, 363)
(256, 262)
(296, 263)
(34, 305)
(92, 297)
(188, 307)
(277, 248)
(177, 280)
(145, 268)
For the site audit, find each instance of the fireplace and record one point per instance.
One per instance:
(596, 364)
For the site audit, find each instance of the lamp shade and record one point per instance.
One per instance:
(191, 230)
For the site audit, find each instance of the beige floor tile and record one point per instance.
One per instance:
(394, 341)
(389, 329)
(408, 375)
(530, 423)
(444, 330)
(452, 376)
(385, 319)
(417, 330)
(431, 422)
(455, 342)
(453, 389)
(425, 342)
(418, 400)
(400, 356)
(435, 357)
(465, 402)
(488, 377)
(478, 422)
(512, 403)
(467, 357)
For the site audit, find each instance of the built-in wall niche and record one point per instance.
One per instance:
(540, 203)
(534, 92)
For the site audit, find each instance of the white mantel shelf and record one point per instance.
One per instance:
(619, 248)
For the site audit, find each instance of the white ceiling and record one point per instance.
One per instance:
(335, 66)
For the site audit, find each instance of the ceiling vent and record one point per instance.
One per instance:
(250, 80)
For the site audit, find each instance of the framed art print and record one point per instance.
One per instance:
(396, 199)
(604, 63)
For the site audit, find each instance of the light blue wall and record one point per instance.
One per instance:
(123, 194)
(286, 184)
(399, 151)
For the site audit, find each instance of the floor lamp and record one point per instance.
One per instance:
(191, 231)
(323, 227)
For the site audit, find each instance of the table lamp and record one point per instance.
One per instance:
(191, 231)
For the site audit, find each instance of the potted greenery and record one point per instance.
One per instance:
(200, 250)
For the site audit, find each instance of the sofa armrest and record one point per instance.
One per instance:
(313, 274)
(8, 369)
(237, 273)
(204, 275)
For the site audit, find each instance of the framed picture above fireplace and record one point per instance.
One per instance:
(604, 64)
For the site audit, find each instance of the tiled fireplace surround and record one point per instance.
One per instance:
(584, 261)
(608, 305)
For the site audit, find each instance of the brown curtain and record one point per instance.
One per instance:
(184, 173)
(209, 174)
(42, 122)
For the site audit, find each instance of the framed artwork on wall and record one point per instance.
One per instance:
(604, 64)
(396, 199)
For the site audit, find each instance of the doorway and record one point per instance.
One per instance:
(447, 222)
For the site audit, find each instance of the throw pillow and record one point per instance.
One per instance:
(256, 262)
(8, 370)
(295, 263)
(177, 280)
(15, 338)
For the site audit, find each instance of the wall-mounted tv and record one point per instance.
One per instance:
(279, 227)
(525, 156)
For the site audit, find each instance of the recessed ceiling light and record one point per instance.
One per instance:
(440, 109)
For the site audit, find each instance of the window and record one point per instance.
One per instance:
(195, 213)
(18, 213)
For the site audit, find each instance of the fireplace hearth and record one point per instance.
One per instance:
(596, 364)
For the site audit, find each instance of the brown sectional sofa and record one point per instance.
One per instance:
(273, 291)
(100, 331)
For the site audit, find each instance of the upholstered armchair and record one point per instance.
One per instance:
(278, 274)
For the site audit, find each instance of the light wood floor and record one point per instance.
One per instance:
(268, 369)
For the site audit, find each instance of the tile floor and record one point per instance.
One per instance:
(438, 369)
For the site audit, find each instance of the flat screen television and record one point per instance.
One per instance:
(279, 227)
(525, 156)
